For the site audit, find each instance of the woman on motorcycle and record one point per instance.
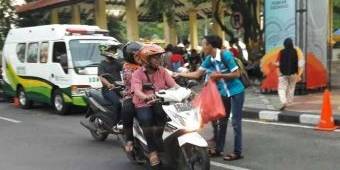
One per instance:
(147, 80)
(128, 112)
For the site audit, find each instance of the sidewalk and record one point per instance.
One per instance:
(305, 109)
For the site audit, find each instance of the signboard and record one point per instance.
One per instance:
(279, 22)
(236, 20)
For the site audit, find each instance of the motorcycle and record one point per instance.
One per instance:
(97, 120)
(180, 145)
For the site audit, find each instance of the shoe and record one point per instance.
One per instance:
(283, 107)
(232, 157)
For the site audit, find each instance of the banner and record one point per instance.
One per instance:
(317, 26)
(279, 22)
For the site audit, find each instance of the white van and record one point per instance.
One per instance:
(52, 64)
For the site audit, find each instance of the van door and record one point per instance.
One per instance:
(46, 86)
(32, 76)
(59, 67)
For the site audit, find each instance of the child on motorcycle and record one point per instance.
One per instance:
(147, 80)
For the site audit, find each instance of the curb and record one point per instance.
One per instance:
(285, 116)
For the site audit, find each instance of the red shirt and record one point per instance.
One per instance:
(160, 80)
(128, 70)
(176, 58)
(235, 52)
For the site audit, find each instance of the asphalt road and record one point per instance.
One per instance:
(41, 140)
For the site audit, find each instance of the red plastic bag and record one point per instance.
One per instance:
(209, 103)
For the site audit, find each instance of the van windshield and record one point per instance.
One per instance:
(85, 53)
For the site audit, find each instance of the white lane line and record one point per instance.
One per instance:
(10, 120)
(282, 124)
(226, 166)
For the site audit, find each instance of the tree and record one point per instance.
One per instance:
(7, 19)
(150, 30)
(164, 7)
(336, 13)
(117, 29)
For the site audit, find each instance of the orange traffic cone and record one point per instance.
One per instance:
(16, 102)
(326, 118)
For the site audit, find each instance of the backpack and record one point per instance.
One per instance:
(244, 78)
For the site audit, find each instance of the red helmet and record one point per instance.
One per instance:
(149, 50)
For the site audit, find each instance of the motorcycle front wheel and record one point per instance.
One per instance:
(99, 136)
(193, 158)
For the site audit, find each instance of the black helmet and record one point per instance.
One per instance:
(130, 49)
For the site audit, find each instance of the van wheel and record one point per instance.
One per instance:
(59, 104)
(23, 101)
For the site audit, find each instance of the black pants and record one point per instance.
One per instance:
(128, 113)
(113, 98)
(220, 126)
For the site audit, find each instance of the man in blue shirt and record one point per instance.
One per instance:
(221, 67)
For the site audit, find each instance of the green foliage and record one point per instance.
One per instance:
(336, 17)
(117, 29)
(336, 2)
(7, 19)
(32, 19)
(162, 7)
(151, 30)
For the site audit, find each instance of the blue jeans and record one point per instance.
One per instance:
(145, 116)
(235, 105)
(236, 108)
(113, 98)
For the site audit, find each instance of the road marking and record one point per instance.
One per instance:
(10, 120)
(226, 166)
(282, 124)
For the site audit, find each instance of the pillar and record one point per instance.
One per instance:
(170, 34)
(131, 20)
(100, 13)
(75, 14)
(54, 16)
(258, 12)
(216, 28)
(193, 28)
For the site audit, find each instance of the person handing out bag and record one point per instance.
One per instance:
(220, 66)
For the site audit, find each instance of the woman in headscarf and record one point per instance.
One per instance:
(289, 72)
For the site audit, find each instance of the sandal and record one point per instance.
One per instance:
(129, 146)
(213, 153)
(232, 157)
(154, 160)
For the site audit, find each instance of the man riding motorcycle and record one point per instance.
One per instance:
(112, 67)
(147, 80)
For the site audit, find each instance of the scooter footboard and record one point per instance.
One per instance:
(193, 138)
